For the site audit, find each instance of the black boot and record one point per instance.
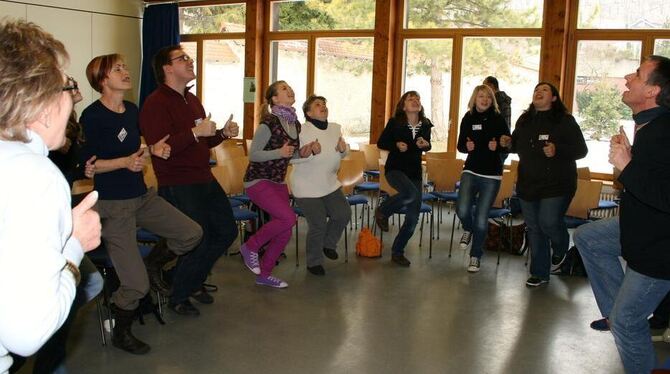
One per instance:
(157, 258)
(123, 338)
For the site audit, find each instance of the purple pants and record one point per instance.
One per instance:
(272, 198)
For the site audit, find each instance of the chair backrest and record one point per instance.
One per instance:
(444, 173)
(441, 155)
(247, 143)
(227, 151)
(230, 174)
(586, 198)
(383, 183)
(371, 153)
(350, 174)
(358, 157)
(82, 186)
(584, 173)
(505, 191)
(149, 175)
(514, 168)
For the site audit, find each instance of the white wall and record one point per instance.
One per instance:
(88, 28)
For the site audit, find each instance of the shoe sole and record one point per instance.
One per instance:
(254, 270)
(534, 285)
(473, 270)
(272, 286)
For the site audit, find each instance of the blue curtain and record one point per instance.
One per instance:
(160, 28)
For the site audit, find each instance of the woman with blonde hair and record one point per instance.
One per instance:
(42, 240)
(479, 136)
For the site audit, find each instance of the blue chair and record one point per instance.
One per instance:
(444, 174)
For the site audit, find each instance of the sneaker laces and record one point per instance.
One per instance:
(467, 236)
(253, 259)
(474, 261)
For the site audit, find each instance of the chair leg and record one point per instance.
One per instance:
(451, 242)
(430, 243)
(98, 307)
(297, 256)
(346, 247)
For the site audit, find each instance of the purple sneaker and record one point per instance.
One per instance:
(270, 281)
(250, 259)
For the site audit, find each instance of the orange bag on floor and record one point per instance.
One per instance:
(368, 245)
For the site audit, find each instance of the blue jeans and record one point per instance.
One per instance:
(482, 192)
(626, 299)
(545, 221)
(208, 205)
(408, 196)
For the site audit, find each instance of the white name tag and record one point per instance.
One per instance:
(543, 137)
(476, 127)
(122, 135)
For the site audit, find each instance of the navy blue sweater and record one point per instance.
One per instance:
(111, 135)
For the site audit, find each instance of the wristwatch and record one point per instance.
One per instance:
(72, 268)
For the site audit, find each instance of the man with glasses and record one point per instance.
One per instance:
(185, 179)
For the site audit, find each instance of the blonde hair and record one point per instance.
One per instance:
(31, 76)
(472, 105)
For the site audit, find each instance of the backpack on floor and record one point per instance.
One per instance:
(499, 237)
(368, 245)
(573, 264)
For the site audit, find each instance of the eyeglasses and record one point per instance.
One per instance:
(72, 85)
(184, 57)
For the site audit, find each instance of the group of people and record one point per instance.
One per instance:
(193, 215)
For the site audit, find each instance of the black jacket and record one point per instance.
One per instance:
(645, 202)
(540, 176)
(481, 128)
(409, 162)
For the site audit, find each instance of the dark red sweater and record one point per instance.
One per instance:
(164, 112)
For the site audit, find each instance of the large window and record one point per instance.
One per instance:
(662, 47)
(428, 71)
(424, 14)
(515, 62)
(288, 62)
(221, 84)
(344, 77)
(326, 48)
(450, 46)
(601, 59)
(624, 14)
(303, 15)
(599, 83)
(212, 19)
(214, 37)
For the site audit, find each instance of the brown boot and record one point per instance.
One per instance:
(123, 338)
(157, 258)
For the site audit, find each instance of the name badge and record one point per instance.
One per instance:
(543, 137)
(476, 127)
(122, 135)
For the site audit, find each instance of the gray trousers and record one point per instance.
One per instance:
(327, 217)
(120, 219)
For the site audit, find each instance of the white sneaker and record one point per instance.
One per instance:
(474, 265)
(466, 239)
